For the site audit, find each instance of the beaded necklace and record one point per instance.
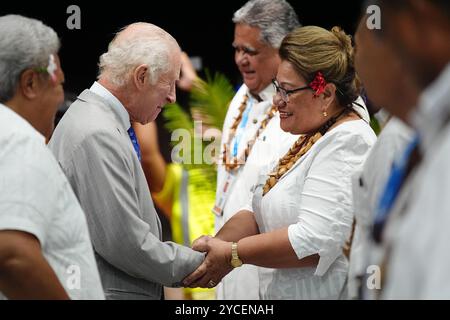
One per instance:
(298, 149)
(234, 162)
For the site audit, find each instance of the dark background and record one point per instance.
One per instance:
(203, 28)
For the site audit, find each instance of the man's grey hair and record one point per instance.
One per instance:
(275, 19)
(122, 57)
(25, 43)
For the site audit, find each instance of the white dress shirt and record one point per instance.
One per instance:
(236, 198)
(35, 197)
(313, 199)
(272, 144)
(417, 233)
(115, 103)
(367, 188)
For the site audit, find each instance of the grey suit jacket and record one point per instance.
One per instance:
(97, 156)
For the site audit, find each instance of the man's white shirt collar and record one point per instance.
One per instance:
(268, 93)
(100, 90)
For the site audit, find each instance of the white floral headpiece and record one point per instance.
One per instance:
(51, 67)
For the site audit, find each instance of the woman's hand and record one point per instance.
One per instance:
(215, 266)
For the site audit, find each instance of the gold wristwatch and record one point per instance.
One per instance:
(235, 261)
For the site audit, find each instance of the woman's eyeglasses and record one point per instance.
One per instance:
(284, 93)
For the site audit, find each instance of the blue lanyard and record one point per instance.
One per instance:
(242, 125)
(392, 189)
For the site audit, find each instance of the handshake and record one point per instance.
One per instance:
(220, 255)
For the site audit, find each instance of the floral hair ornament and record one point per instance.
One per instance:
(51, 68)
(318, 83)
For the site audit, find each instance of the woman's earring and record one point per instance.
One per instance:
(325, 114)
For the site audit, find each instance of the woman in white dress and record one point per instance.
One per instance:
(301, 214)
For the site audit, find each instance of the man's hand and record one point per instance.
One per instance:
(216, 264)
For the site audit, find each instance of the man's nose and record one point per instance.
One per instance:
(241, 58)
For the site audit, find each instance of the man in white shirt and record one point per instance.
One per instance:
(45, 249)
(260, 26)
(377, 67)
(416, 228)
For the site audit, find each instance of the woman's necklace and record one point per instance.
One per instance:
(298, 149)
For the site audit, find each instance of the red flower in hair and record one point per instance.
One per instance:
(318, 84)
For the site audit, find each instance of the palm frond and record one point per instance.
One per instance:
(177, 118)
(375, 125)
(211, 98)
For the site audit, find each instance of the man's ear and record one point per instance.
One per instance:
(141, 76)
(28, 84)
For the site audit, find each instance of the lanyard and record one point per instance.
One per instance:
(241, 128)
(392, 189)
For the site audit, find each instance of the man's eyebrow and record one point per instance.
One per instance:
(247, 48)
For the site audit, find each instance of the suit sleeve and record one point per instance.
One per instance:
(103, 179)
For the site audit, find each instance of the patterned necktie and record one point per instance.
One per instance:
(399, 172)
(135, 142)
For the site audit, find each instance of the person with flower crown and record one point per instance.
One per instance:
(45, 248)
(301, 213)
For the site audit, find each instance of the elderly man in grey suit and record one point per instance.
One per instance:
(98, 151)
